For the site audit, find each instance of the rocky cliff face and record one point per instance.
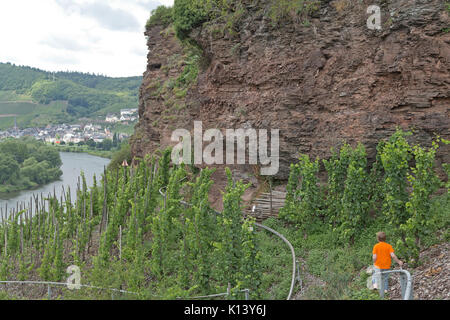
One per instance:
(321, 81)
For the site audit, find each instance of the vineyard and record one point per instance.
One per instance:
(124, 234)
(148, 231)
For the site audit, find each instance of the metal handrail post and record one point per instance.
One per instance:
(408, 291)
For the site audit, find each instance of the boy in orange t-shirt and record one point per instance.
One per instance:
(382, 254)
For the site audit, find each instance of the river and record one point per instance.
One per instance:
(72, 165)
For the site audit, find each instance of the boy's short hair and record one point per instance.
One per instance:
(381, 236)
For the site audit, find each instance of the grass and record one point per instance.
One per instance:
(275, 282)
(6, 296)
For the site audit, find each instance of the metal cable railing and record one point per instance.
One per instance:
(64, 284)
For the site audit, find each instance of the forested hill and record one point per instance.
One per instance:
(86, 94)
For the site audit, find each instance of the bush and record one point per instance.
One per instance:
(123, 154)
(188, 14)
(282, 10)
(304, 203)
(162, 16)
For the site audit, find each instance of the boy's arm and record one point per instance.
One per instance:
(400, 263)
(374, 257)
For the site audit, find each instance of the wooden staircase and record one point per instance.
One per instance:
(266, 205)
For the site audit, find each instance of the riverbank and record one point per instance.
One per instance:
(72, 165)
(27, 163)
(108, 154)
(6, 190)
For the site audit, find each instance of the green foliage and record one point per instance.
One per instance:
(336, 168)
(364, 294)
(230, 246)
(82, 100)
(31, 114)
(201, 229)
(395, 158)
(376, 180)
(424, 182)
(9, 169)
(188, 14)
(190, 71)
(355, 200)
(19, 79)
(285, 10)
(291, 203)
(26, 163)
(304, 205)
(125, 234)
(124, 153)
(162, 16)
(86, 94)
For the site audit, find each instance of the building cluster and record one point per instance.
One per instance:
(74, 133)
(126, 115)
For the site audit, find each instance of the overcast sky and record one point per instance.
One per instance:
(97, 36)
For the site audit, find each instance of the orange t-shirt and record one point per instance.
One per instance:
(383, 251)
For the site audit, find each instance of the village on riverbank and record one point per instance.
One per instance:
(71, 134)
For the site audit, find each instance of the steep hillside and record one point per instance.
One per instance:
(30, 93)
(315, 72)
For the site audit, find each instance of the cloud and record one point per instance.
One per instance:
(100, 36)
(110, 18)
(140, 51)
(150, 4)
(116, 19)
(60, 59)
(64, 42)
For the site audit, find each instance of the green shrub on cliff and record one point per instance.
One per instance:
(161, 16)
(188, 14)
(282, 10)
(124, 153)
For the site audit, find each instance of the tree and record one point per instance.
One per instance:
(107, 144)
(48, 154)
(16, 148)
(123, 154)
(115, 140)
(9, 168)
(91, 143)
